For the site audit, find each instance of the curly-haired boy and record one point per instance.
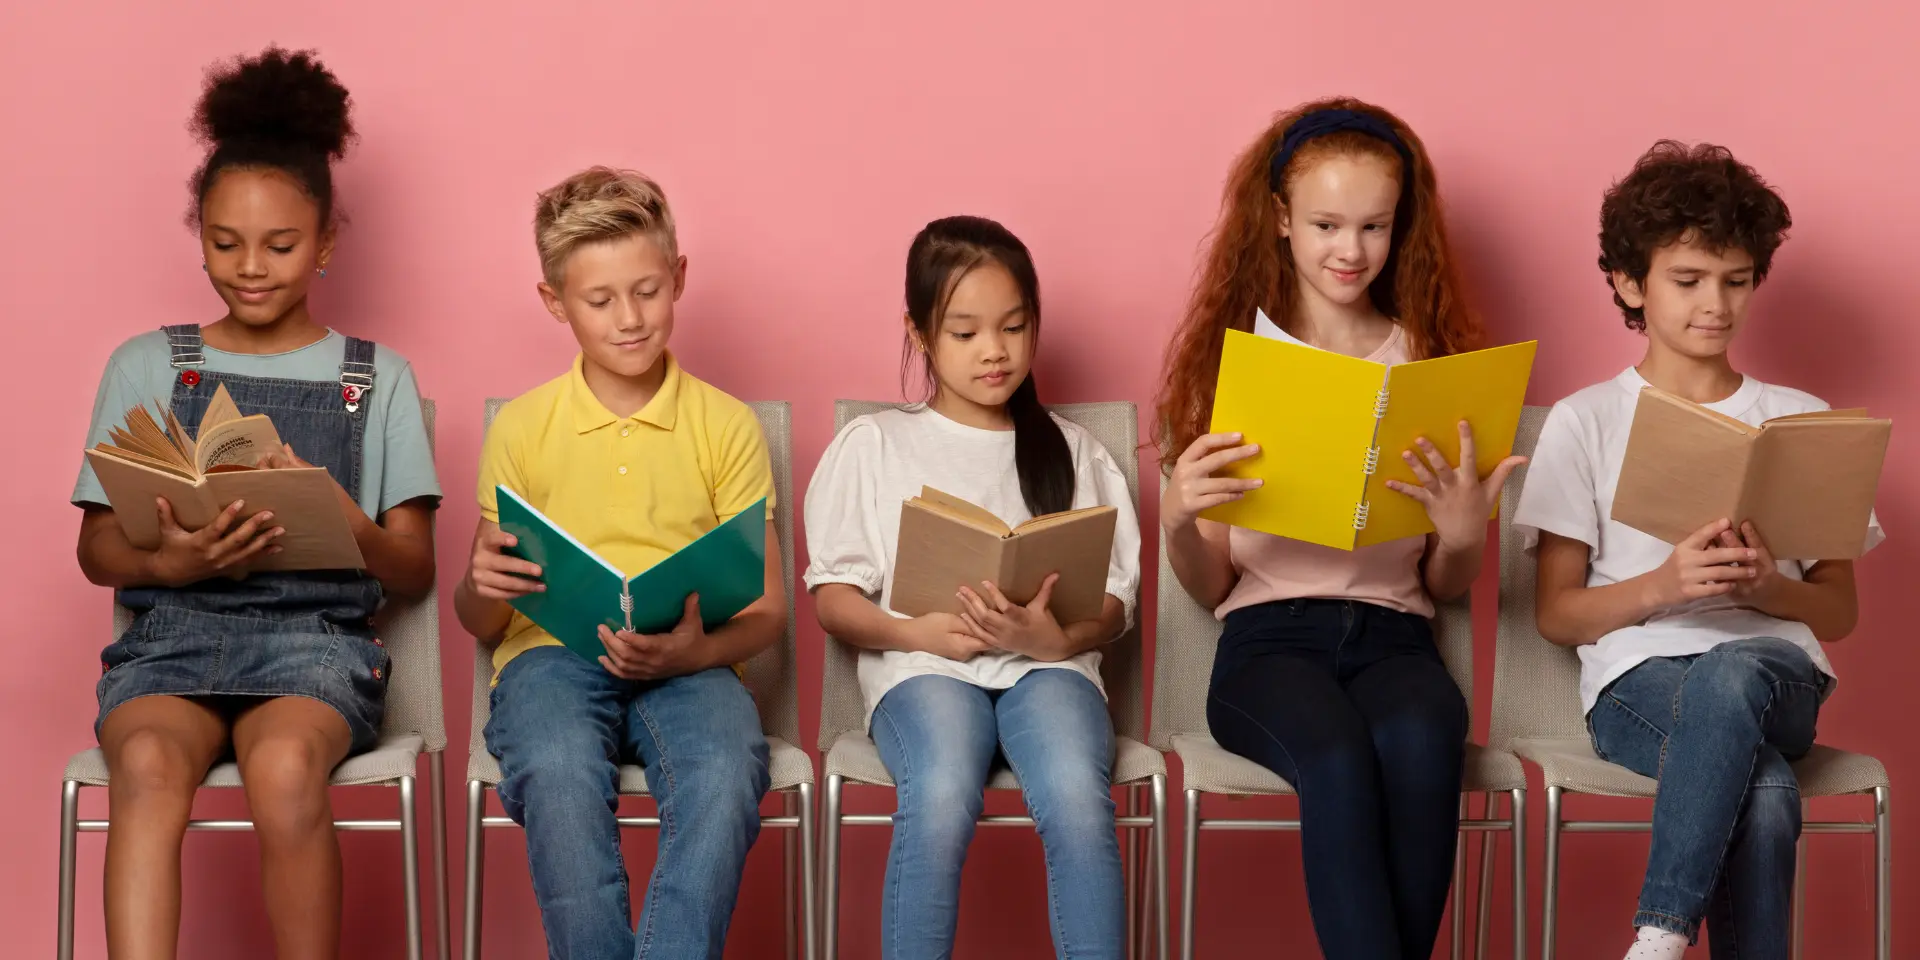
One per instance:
(1701, 664)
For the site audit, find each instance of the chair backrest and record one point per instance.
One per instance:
(411, 632)
(770, 674)
(1116, 426)
(1536, 683)
(1186, 635)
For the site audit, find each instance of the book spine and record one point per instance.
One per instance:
(626, 604)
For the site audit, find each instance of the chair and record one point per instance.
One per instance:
(852, 757)
(1536, 714)
(771, 677)
(414, 724)
(1186, 636)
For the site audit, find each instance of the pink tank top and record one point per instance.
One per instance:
(1276, 568)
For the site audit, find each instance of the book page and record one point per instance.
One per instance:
(1429, 398)
(132, 456)
(935, 555)
(1079, 549)
(239, 442)
(1813, 486)
(1685, 467)
(220, 409)
(1311, 412)
(1044, 521)
(962, 511)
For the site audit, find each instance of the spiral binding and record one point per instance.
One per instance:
(1360, 511)
(626, 608)
(1380, 403)
(1373, 460)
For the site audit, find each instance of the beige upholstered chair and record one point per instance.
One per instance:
(414, 725)
(1185, 639)
(775, 686)
(851, 756)
(1536, 714)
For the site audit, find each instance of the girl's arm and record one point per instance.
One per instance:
(851, 617)
(1448, 571)
(1198, 549)
(1458, 501)
(1201, 560)
(1080, 637)
(222, 547)
(398, 549)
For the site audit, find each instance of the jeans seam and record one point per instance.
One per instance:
(668, 833)
(1298, 774)
(1046, 858)
(1726, 841)
(900, 785)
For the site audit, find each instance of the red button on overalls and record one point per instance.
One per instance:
(190, 377)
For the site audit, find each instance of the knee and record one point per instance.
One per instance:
(1772, 810)
(729, 782)
(1725, 682)
(1423, 747)
(286, 783)
(1079, 805)
(941, 806)
(149, 763)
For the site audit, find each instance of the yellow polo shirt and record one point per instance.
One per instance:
(633, 489)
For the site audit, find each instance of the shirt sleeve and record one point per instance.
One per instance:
(1559, 496)
(844, 542)
(1101, 483)
(742, 474)
(406, 471)
(119, 391)
(501, 462)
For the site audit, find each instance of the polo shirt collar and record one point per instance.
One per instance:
(589, 414)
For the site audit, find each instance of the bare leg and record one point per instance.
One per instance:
(287, 747)
(158, 750)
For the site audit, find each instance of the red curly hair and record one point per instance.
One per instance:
(1248, 265)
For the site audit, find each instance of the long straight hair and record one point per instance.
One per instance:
(942, 253)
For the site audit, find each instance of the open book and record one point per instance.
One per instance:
(1331, 429)
(726, 566)
(1806, 481)
(946, 543)
(201, 476)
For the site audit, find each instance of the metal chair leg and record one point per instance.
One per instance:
(437, 824)
(1128, 861)
(1158, 797)
(476, 869)
(809, 908)
(830, 871)
(788, 844)
(1799, 896)
(1518, 802)
(69, 837)
(1488, 841)
(410, 866)
(1189, 873)
(1459, 908)
(1550, 908)
(1882, 875)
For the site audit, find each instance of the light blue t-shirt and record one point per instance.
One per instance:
(396, 463)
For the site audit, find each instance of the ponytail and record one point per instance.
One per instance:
(1040, 453)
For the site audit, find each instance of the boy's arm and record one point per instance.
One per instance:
(757, 627)
(688, 648)
(1825, 601)
(1570, 613)
(492, 577)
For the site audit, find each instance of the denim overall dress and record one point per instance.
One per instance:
(275, 634)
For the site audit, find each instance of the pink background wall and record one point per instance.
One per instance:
(802, 145)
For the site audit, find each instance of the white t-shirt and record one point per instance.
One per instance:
(882, 459)
(1569, 492)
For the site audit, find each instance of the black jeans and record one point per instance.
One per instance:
(1351, 704)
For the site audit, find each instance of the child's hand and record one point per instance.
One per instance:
(1029, 630)
(1766, 573)
(493, 574)
(1457, 500)
(657, 656)
(1193, 486)
(944, 635)
(220, 547)
(281, 459)
(1698, 568)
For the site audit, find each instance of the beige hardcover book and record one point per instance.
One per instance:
(201, 477)
(946, 543)
(1806, 481)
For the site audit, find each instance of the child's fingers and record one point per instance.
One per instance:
(1206, 444)
(1435, 459)
(995, 599)
(1213, 462)
(1699, 539)
(1212, 485)
(1469, 454)
(500, 563)
(1420, 471)
(1498, 478)
(1421, 494)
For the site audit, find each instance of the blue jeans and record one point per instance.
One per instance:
(938, 737)
(1718, 730)
(560, 726)
(1351, 704)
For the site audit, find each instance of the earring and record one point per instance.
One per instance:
(323, 273)
(203, 266)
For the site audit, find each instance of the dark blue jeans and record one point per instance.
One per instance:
(560, 726)
(1718, 730)
(1351, 704)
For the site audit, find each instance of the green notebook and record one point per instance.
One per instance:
(726, 567)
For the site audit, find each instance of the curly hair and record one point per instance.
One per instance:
(1248, 265)
(1699, 194)
(277, 110)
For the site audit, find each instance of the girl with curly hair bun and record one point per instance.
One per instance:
(280, 670)
(1326, 671)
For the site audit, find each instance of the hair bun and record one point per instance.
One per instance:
(282, 98)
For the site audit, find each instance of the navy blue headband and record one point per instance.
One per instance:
(1322, 122)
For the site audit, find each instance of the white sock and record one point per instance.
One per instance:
(1654, 943)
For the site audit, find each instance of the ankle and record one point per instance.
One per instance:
(1653, 943)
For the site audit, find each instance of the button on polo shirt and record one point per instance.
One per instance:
(632, 489)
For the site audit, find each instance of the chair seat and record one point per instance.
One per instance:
(387, 762)
(1208, 767)
(790, 767)
(855, 758)
(1571, 764)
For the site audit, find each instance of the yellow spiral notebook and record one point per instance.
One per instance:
(1331, 429)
